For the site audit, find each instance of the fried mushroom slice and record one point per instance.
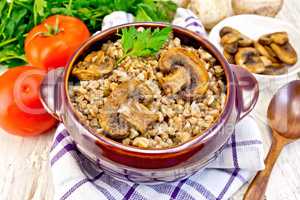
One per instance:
(245, 41)
(249, 58)
(271, 52)
(137, 115)
(192, 63)
(175, 81)
(225, 30)
(265, 52)
(266, 61)
(231, 48)
(143, 93)
(265, 40)
(275, 71)
(229, 57)
(230, 38)
(109, 118)
(286, 53)
(279, 38)
(89, 70)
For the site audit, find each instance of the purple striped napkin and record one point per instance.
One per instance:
(75, 177)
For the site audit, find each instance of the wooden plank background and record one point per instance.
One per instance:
(25, 172)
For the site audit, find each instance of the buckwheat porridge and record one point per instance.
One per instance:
(156, 101)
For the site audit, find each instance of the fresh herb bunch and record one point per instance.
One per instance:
(143, 43)
(18, 17)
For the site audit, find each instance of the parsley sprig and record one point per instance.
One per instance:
(143, 43)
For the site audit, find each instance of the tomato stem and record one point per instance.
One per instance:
(52, 30)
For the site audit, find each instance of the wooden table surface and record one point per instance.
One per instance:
(25, 172)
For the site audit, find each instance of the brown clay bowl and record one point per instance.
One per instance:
(148, 165)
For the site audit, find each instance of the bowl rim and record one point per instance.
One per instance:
(181, 148)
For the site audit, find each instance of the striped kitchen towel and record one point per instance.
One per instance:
(76, 178)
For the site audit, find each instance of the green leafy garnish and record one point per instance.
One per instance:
(18, 17)
(143, 43)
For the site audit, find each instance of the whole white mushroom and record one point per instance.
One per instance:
(211, 12)
(260, 7)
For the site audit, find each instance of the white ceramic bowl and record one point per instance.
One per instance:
(255, 26)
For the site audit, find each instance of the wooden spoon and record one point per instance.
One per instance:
(284, 120)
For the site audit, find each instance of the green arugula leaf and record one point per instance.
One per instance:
(143, 43)
(2, 6)
(142, 16)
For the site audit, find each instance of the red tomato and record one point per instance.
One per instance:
(21, 111)
(50, 44)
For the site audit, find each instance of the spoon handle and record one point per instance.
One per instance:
(257, 188)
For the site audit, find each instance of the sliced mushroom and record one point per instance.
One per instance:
(266, 61)
(137, 115)
(271, 52)
(143, 93)
(229, 57)
(230, 38)
(192, 63)
(88, 70)
(109, 117)
(264, 52)
(275, 71)
(122, 110)
(278, 37)
(231, 48)
(286, 53)
(277, 65)
(225, 30)
(265, 40)
(245, 41)
(175, 81)
(249, 57)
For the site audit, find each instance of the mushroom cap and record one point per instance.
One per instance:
(258, 7)
(249, 58)
(192, 63)
(286, 53)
